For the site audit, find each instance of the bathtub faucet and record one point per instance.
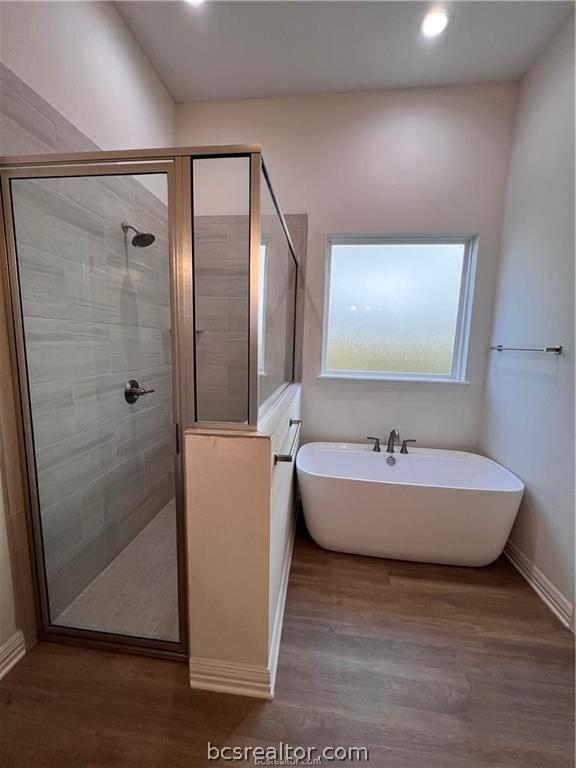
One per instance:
(393, 438)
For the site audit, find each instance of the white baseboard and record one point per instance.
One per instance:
(227, 677)
(246, 679)
(11, 652)
(560, 606)
(281, 605)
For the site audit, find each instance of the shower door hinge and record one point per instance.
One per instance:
(177, 439)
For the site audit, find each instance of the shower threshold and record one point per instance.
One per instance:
(137, 594)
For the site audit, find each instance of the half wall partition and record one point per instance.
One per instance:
(148, 291)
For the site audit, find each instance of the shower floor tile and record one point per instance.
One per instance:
(137, 594)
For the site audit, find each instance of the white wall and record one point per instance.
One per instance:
(528, 420)
(409, 161)
(82, 58)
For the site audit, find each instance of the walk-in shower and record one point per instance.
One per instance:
(138, 292)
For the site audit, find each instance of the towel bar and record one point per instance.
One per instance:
(290, 456)
(557, 350)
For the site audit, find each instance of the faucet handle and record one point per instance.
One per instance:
(404, 449)
(376, 448)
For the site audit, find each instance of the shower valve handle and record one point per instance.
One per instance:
(133, 390)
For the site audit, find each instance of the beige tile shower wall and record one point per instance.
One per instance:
(221, 275)
(28, 125)
(96, 313)
(221, 288)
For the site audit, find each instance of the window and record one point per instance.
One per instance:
(398, 309)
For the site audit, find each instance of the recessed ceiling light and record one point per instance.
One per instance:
(434, 23)
(194, 2)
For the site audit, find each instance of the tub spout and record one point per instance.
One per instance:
(393, 438)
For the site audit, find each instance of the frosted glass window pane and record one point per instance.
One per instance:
(393, 308)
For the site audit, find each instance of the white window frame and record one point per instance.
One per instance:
(464, 320)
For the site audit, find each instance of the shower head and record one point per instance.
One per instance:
(140, 239)
(143, 239)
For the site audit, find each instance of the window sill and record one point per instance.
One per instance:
(390, 379)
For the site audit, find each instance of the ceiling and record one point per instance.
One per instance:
(235, 50)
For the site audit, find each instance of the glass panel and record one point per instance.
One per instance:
(394, 307)
(221, 204)
(96, 314)
(277, 303)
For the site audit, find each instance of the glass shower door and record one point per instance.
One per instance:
(93, 266)
(277, 302)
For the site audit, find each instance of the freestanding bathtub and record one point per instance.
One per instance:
(432, 505)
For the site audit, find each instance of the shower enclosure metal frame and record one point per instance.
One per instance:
(177, 164)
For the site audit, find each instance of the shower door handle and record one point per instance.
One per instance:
(133, 390)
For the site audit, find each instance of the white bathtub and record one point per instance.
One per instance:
(433, 506)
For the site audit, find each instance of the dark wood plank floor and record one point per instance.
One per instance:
(427, 666)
